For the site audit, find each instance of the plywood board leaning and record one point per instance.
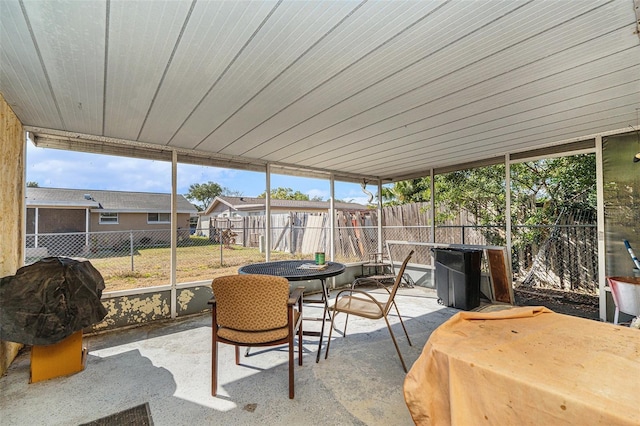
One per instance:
(500, 272)
(313, 234)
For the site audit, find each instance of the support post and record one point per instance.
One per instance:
(35, 236)
(602, 279)
(87, 224)
(267, 215)
(332, 218)
(507, 209)
(379, 212)
(174, 231)
(433, 206)
(131, 248)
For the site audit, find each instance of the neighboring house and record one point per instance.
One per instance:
(242, 216)
(57, 210)
(250, 206)
(236, 207)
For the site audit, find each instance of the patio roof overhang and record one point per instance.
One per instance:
(352, 90)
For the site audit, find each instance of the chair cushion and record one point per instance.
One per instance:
(256, 337)
(359, 306)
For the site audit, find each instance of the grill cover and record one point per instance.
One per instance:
(49, 300)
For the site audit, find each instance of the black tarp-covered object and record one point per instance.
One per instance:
(49, 300)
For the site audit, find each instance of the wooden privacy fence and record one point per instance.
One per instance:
(356, 231)
(304, 233)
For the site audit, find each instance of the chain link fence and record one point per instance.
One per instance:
(562, 257)
(141, 258)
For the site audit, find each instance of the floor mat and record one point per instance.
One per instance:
(136, 416)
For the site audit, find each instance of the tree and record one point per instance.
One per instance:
(548, 184)
(555, 184)
(407, 191)
(480, 191)
(281, 193)
(204, 193)
(32, 184)
(540, 190)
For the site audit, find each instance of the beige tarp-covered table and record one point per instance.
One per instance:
(526, 365)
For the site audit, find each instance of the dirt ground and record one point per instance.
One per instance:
(576, 304)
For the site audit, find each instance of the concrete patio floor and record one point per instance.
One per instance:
(168, 366)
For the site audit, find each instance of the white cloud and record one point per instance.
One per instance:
(248, 183)
(359, 200)
(318, 193)
(70, 169)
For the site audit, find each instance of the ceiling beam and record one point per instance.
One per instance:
(71, 141)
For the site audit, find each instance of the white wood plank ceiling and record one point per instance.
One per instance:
(378, 89)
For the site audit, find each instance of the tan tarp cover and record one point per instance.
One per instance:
(526, 366)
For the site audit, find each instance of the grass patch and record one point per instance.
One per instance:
(151, 266)
(130, 274)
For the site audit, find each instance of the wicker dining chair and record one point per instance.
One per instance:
(255, 310)
(363, 304)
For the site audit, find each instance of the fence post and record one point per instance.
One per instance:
(292, 249)
(131, 248)
(463, 227)
(246, 233)
(220, 238)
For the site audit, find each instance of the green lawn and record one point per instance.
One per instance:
(151, 266)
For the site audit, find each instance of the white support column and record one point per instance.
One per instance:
(379, 211)
(35, 229)
(174, 231)
(433, 206)
(87, 223)
(600, 223)
(432, 200)
(23, 221)
(332, 218)
(267, 215)
(507, 210)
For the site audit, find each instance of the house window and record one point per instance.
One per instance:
(108, 218)
(158, 217)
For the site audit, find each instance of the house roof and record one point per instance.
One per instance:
(380, 89)
(254, 203)
(106, 201)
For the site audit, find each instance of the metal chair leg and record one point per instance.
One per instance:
(395, 343)
(402, 323)
(333, 318)
(344, 331)
(324, 317)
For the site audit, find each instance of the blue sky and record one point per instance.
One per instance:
(53, 168)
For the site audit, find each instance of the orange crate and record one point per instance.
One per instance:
(59, 359)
